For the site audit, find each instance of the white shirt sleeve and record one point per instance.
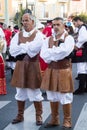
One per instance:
(82, 38)
(33, 48)
(2, 33)
(57, 53)
(15, 48)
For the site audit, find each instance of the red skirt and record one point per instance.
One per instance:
(2, 78)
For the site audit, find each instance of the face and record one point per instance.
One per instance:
(28, 24)
(76, 23)
(58, 26)
(67, 29)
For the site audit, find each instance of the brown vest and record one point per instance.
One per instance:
(27, 71)
(61, 64)
(58, 75)
(25, 39)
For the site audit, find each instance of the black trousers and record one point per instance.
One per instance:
(82, 81)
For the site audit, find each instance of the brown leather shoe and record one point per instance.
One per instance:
(48, 125)
(52, 123)
(67, 123)
(54, 115)
(38, 108)
(17, 120)
(67, 116)
(20, 116)
(39, 122)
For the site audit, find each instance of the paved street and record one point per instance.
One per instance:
(8, 111)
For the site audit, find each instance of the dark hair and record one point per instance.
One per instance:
(1, 23)
(77, 18)
(16, 27)
(58, 18)
(49, 21)
(71, 31)
(9, 26)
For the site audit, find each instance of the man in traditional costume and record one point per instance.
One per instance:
(25, 47)
(57, 80)
(81, 54)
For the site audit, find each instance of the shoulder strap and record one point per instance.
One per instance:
(56, 43)
(85, 25)
(25, 39)
(62, 40)
(51, 42)
(82, 26)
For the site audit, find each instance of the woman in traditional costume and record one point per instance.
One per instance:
(2, 68)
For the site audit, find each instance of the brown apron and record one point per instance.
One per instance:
(27, 72)
(58, 75)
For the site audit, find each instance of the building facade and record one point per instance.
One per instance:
(42, 9)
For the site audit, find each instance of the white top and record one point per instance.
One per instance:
(59, 52)
(82, 37)
(2, 38)
(5, 46)
(2, 33)
(31, 48)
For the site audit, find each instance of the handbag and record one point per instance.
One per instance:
(79, 52)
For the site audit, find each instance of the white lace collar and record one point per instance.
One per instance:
(62, 36)
(28, 34)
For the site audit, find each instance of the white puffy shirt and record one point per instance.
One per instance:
(82, 37)
(59, 52)
(31, 48)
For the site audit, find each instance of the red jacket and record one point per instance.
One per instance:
(8, 35)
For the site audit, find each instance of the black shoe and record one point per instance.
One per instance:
(85, 90)
(77, 78)
(78, 91)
